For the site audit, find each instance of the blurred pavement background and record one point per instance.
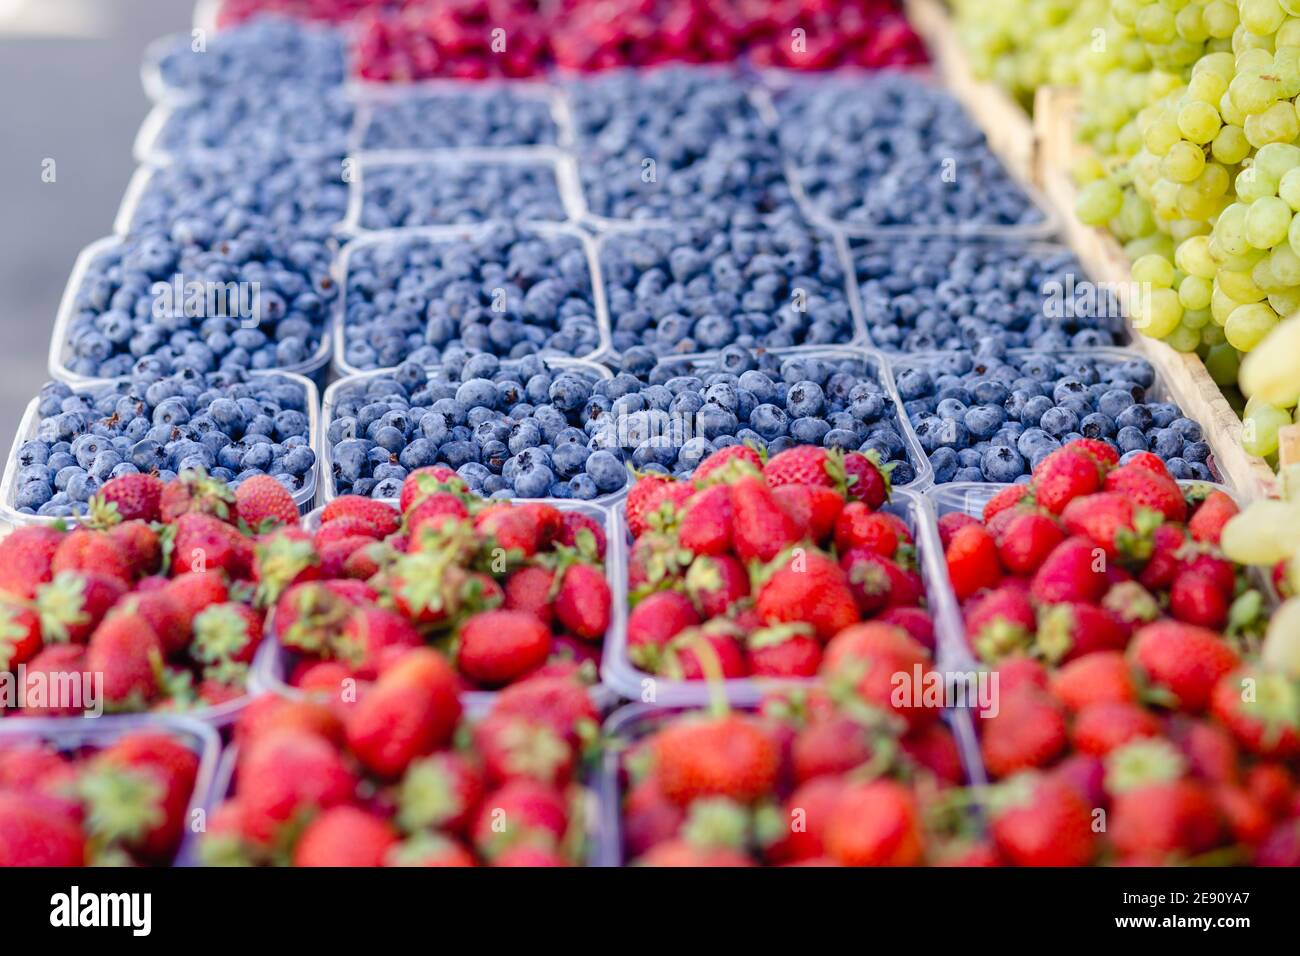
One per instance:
(69, 91)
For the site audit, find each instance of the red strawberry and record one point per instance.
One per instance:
(1206, 524)
(336, 558)
(1019, 672)
(1009, 497)
(1098, 678)
(193, 492)
(1245, 817)
(1041, 821)
(787, 650)
(84, 549)
(871, 656)
(1212, 753)
(914, 620)
(807, 586)
(649, 818)
(433, 511)
(934, 749)
(343, 529)
(719, 465)
(1113, 522)
(951, 523)
(1157, 814)
(760, 527)
(439, 791)
(1261, 709)
(345, 836)
(30, 835)
(875, 823)
(383, 517)
(410, 711)
(728, 756)
(560, 703)
(1217, 569)
(582, 603)
(72, 605)
(574, 528)
(529, 589)
(497, 647)
(705, 526)
(1195, 599)
(1064, 475)
(191, 593)
(973, 563)
(1028, 731)
(678, 853)
(1146, 489)
(528, 528)
(1102, 452)
(227, 632)
(429, 480)
(263, 502)
(1272, 786)
(173, 768)
(802, 465)
(651, 497)
(20, 635)
(829, 747)
(859, 527)
(283, 776)
(1070, 631)
(26, 558)
(1000, 623)
(655, 620)
(715, 584)
(865, 479)
(1102, 727)
(135, 497)
(59, 665)
(140, 544)
(1026, 541)
(128, 654)
(1131, 605)
(1162, 566)
(205, 543)
(1184, 661)
(1150, 462)
(709, 652)
(524, 814)
(267, 714)
(1074, 571)
(514, 748)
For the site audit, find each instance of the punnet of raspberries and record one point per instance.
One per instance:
(155, 602)
(506, 590)
(400, 777)
(756, 567)
(121, 802)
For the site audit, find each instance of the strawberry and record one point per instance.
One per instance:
(173, 768)
(71, 606)
(203, 543)
(1271, 785)
(193, 492)
(696, 654)
(1148, 461)
(655, 620)
(1103, 677)
(803, 465)
(1040, 821)
(582, 603)
(135, 497)
(381, 516)
(1069, 631)
(439, 791)
(190, 593)
(719, 465)
(760, 528)
(1184, 661)
(227, 633)
(162, 615)
(426, 481)
(1162, 566)
(336, 558)
(345, 836)
(530, 589)
(560, 703)
(1102, 452)
(522, 814)
(432, 511)
(1261, 709)
(1074, 571)
(1195, 599)
(787, 650)
(1221, 572)
(574, 530)
(285, 775)
(127, 652)
(1019, 672)
(859, 527)
(59, 665)
(678, 853)
(513, 748)
(649, 818)
(1102, 727)
(934, 749)
(84, 549)
(1009, 497)
(140, 545)
(1028, 538)
(1000, 623)
(1131, 605)
(410, 711)
(1155, 812)
(1028, 731)
(526, 529)
(972, 558)
(262, 502)
(705, 525)
(728, 756)
(914, 620)
(832, 746)
(807, 586)
(1146, 489)
(1113, 522)
(865, 480)
(1064, 475)
(345, 528)
(813, 508)
(1210, 750)
(497, 647)
(1206, 523)
(26, 558)
(715, 584)
(875, 823)
(268, 714)
(281, 559)
(20, 635)
(1246, 819)
(30, 835)
(869, 658)
(952, 522)
(651, 498)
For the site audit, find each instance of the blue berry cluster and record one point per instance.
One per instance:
(940, 294)
(231, 424)
(500, 290)
(492, 117)
(198, 201)
(149, 305)
(511, 428)
(399, 195)
(674, 144)
(672, 414)
(990, 419)
(296, 116)
(895, 151)
(769, 281)
(266, 50)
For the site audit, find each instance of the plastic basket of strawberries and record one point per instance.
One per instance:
(103, 793)
(507, 589)
(400, 776)
(156, 603)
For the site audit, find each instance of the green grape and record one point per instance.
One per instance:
(1248, 324)
(1194, 293)
(1231, 146)
(1199, 122)
(1268, 374)
(1276, 159)
(1221, 362)
(1184, 162)
(1253, 184)
(1240, 286)
(1155, 24)
(1193, 257)
(1183, 339)
(1230, 230)
(1134, 217)
(1286, 302)
(1261, 16)
(1197, 319)
(1293, 235)
(1099, 202)
(1087, 169)
(1157, 312)
(1212, 335)
(1260, 427)
(1221, 305)
(1220, 18)
(1162, 135)
(1253, 91)
(1267, 222)
(1277, 124)
(1154, 270)
(1285, 265)
(1288, 35)
(1253, 61)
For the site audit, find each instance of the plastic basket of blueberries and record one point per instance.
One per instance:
(232, 424)
(674, 412)
(771, 281)
(250, 303)
(417, 295)
(994, 418)
(894, 154)
(943, 293)
(512, 428)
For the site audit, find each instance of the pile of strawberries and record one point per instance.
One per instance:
(751, 567)
(159, 593)
(505, 590)
(397, 778)
(122, 804)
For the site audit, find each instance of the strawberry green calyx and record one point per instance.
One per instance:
(778, 634)
(1056, 627)
(61, 605)
(703, 577)
(1131, 603)
(533, 750)
(716, 822)
(224, 849)
(220, 633)
(102, 514)
(1001, 638)
(418, 849)
(211, 495)
(1142, 763)
(421, 581)
(318, 614)
(280, 560)
(427, 797)
(228, 673)
(122, 805)
(1247, 617)
(1135, 544)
